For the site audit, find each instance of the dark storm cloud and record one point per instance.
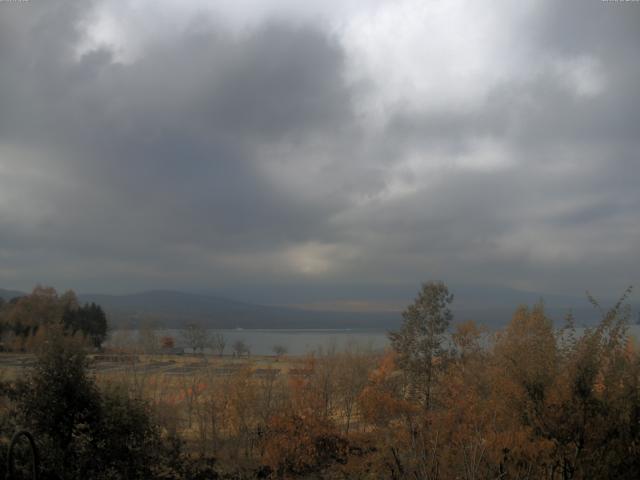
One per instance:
(170, 143)
(220, 157)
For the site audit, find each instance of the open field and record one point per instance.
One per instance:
(107, 365)
(208, 400)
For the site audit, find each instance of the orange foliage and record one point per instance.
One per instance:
(381, 401)
(296, 446)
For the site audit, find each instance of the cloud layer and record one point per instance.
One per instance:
(331, 151)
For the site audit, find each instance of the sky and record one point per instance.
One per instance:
(319, 152)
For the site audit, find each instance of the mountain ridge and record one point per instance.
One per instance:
(489, 306)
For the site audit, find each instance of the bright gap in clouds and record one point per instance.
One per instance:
(413, 53)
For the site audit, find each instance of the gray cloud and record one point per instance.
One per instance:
(226, 159)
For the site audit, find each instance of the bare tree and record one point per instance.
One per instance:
(196, 337)
(218, 343)
(148, 338)
(323, 380)
(279, 350)
(352, 376)
(240, 347)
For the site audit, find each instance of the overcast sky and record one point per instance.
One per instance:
(319, 151)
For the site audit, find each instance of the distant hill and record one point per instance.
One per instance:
(494, 306)
(175, 309)
(9, 294)
(490, 306)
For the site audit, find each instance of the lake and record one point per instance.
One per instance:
(296, 341)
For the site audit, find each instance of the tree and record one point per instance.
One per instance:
(59, 400)
(148, 338)
(595, 413)
(466, 339)
(42, 308)
(196, 337)
(218, 343)
(167, 342)
(527, 352)
(88, 319)
(296, 447)
(419, 341)
(84, 433)
(128, 443)
(279, 350)
(25, 316)
(240, 347)
(352, 375)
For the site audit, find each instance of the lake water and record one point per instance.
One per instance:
(296, 341)
(300, 342)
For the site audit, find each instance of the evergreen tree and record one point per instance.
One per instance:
(83, 432)
(419, 341)
(89, 319)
